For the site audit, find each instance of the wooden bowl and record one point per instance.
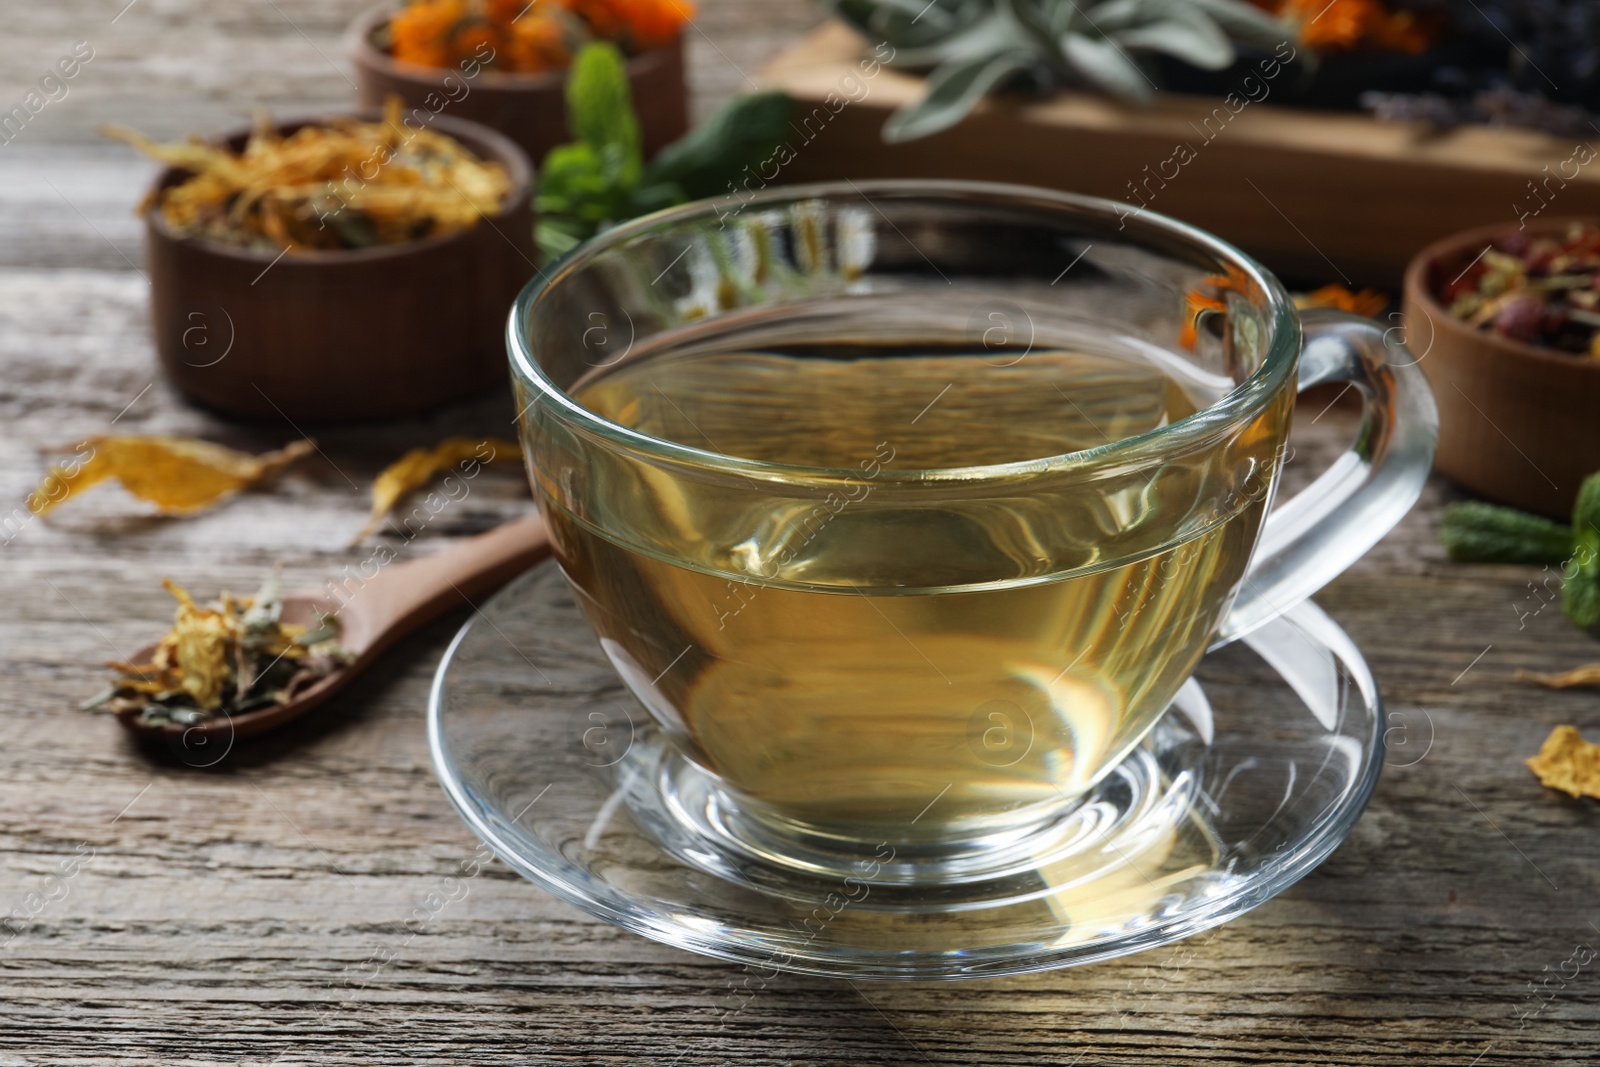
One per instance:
(528, 108)
(1517, 422)
(346, 335)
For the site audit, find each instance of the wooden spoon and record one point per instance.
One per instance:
(373, 614)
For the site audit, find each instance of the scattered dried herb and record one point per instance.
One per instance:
(233, 656)
(177, 474)
(1368, 302)
(1539, 290)
(1588, 674)
(1476, 532)
(528, 36)
(412, 470)
(1569, 763)
(346, 184)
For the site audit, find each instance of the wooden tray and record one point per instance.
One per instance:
(1315, 195)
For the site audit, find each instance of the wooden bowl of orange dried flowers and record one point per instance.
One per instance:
(503, 63)
(337, 269)
(1505, 322)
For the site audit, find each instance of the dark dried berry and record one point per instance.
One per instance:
(1519, 318)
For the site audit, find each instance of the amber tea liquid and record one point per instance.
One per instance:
(918, 667)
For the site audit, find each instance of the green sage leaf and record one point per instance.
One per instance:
(1195, 40)
(1104, 65)
(953, 90)
(1246, 23)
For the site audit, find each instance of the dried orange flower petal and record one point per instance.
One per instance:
(412, 470)
(177, 474)
(1367, 302)
(1569, 763)
(1588, 674)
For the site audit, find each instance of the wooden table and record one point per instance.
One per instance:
(255, 912)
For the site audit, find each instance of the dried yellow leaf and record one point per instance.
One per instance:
(1569, 763)
(1588, 674)
(177, 474)
(413, 470)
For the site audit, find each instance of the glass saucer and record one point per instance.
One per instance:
(1251, 779)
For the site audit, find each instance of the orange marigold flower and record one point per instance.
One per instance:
(639, 24)
(1367, 302)
(1356, 25)
(475, 38)
(420, 32)
(1197, 302)
(529, 35)
(538, 42)
(503, 13)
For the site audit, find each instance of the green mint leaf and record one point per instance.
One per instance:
(556, 236)
(1580, 589)
(745, 132)
(589, 184)
(1586, 510)
(600, 107)
(653, 196)
(573, 176)
(1475, 532)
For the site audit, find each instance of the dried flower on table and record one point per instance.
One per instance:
(1367, 302)
(1588, 674)
(1569, 763)
(346, 184)
(177, 474)
(233, 656)
(412, 470)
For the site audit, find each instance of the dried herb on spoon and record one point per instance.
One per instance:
(233, 656)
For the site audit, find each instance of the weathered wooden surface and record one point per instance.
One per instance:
(256, 912)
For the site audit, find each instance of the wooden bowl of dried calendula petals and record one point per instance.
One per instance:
(337, 269)
(474, 70)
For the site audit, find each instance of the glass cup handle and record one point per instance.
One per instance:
(1311, 539)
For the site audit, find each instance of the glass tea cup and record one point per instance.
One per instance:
(904, 509)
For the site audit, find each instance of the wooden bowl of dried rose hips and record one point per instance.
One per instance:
(1505, 322)
(503, 63)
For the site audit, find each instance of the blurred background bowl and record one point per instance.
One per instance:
(346, 335)
(1518, 423)
(528, 108)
